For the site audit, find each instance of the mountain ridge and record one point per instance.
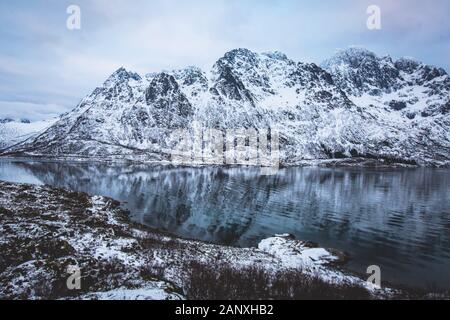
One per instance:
(355, 104)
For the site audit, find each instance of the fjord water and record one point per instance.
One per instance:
(398, 219)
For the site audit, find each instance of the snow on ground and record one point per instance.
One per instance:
(44, 230)
(151, 291)
(294, 254)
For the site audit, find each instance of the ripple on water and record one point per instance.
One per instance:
(398, 219)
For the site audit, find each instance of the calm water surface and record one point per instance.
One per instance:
(398, 219)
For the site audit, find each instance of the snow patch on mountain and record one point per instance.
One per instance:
(356, 105)
(15, 131)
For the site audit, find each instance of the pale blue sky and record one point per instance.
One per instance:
(46, 69)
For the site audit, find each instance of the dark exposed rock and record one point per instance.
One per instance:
(161, 86)
(445, 109)
(397, 105)
(6, 120)
(411, 115)
(321, 113)
(358, 70)
(407, 65)
(231, 86)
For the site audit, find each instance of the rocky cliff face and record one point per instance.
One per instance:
(356, 105)
(407, 101)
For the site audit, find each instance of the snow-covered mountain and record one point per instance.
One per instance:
(15, 131)
(408, 100)
(356, 105)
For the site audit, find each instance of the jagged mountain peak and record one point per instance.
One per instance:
(241, 70)
(240, 53)
(411, 65)
(246, 59)
(193, 81)
(407, 86)
(243, 55)
(189, 75)
(408, 64)
(358, 71)
(189, 70)
(359, 104)
(121, 75)
(237, 60)
(352, 56)
(276, 55)
(249, 55)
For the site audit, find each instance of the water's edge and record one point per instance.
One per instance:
(395, 218)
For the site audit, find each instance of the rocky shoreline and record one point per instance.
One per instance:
(46, 231)
(325, 163)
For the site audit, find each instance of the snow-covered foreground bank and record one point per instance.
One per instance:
(45, 230)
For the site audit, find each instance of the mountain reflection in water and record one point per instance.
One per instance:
(398, 219)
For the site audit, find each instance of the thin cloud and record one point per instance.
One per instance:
(43, 62)
(29, 111)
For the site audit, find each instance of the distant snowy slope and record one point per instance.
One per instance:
(16, 131)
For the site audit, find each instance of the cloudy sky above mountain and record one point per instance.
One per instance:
(45, 69)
